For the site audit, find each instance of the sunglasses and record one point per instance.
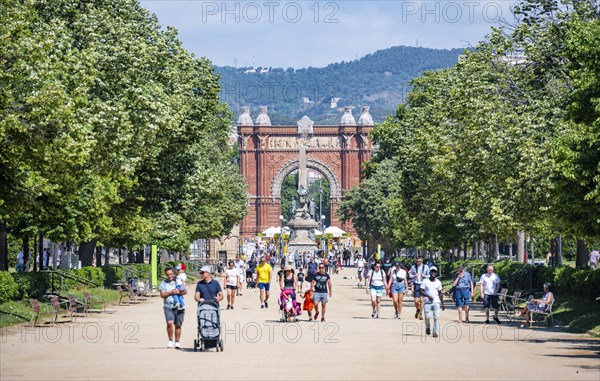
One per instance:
(321, 267)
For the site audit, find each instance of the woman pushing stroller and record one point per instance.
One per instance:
(288, 284)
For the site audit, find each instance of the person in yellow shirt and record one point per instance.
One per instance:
(263, 271)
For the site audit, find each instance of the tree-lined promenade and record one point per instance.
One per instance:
(110, 132)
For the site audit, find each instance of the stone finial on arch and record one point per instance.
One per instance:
(288, 167)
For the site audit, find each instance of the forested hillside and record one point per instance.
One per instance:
(379, 80)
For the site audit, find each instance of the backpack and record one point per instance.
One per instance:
(382, 276)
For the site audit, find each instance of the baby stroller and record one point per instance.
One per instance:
(250, 279)
(209, 327)
(288, 305)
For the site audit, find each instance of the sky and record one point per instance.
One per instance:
(316, 33)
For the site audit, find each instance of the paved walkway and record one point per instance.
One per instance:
(129, 343)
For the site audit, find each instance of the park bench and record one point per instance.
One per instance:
(75, 305)
(89, 302)
(36, 309)
(512, 305)
(56, 309)
(134, 297)
(502, 305)
(123, 294)
(547, 314)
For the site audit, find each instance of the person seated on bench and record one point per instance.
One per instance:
(540, 305)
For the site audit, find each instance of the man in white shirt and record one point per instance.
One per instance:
(433, 300)
(359, 263)
(489, 285)
(418, 272)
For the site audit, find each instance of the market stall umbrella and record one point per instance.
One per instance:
(335, 231)
(270, 232)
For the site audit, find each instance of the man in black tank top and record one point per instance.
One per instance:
(321, 285)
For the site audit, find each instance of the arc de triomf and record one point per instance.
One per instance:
(269, 153)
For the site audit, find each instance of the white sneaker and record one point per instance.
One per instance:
(177, 346)
(170, 344)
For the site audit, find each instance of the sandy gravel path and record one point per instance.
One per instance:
(129, 343)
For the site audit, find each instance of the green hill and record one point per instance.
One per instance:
(379, 80)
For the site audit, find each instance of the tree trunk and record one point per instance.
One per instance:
(553, 250)
(35, 256)
(86, 252)
(559, 261)
(41, 252)
(164, 256)
(55, 256)
(106, 255)
(3, 248)
(520, 246)
(510, 249)
(582, 254)
(139, 256)
(98, 256)
(532, 248)
(26, 255)
(496, 247)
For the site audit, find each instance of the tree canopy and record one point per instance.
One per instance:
(505, 140)
(110, 130)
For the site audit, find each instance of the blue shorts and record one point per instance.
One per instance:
(264, 286)
(462, 297)
(320, 297)
(398, 288)
(376, 291)
(417, 292)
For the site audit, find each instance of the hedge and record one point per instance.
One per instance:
(582, 282)
(8, 287)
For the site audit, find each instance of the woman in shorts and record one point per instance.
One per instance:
(233, 281)
(377, 283)
(398, 284)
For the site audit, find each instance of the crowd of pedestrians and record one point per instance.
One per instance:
(308, 277)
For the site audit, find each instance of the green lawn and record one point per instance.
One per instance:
(579, 314)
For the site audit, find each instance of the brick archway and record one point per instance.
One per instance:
(269, 153)
(292, 165)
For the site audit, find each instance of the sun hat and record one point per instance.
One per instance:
(181, 266)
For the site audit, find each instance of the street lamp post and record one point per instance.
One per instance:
(320, 199)
(280, 237)
(321, 225)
